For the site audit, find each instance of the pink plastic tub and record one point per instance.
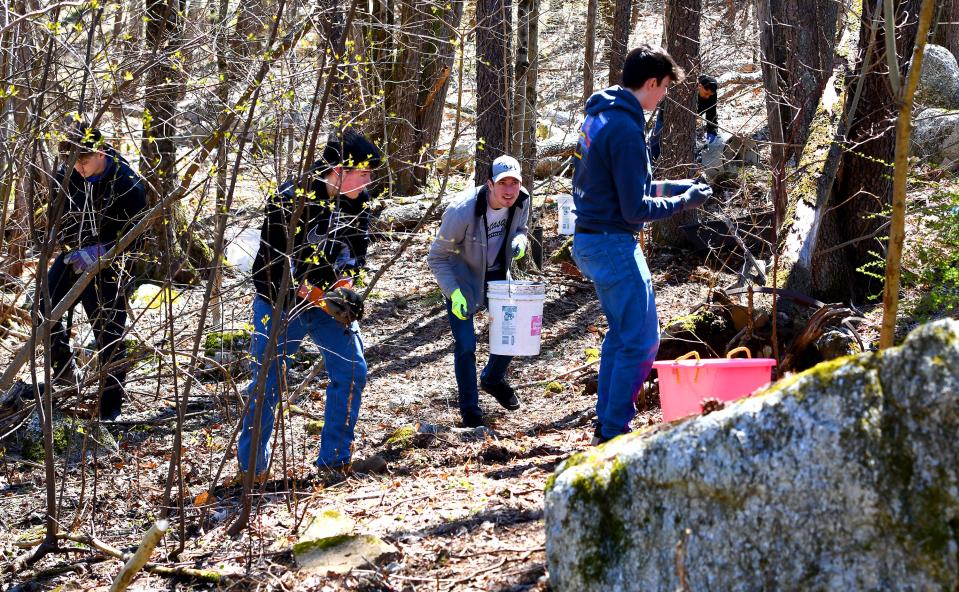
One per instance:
(684, 384)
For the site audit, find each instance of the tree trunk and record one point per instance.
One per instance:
(493, 83)
(832, 229)
(17, 64)
(252, 25)
(619, 39)
(947, 26)
(521, 69)
(805, 37)
(222, 162)
(435, 82)
(401, 95)
(897, 229)
(589, 60)
(771, 80)
(532, 84)
(864, 182)
(678, 140)
(164, 85)
(773, 96)
(380, 48)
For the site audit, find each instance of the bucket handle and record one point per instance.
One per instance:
(692, 354)
(739, 350)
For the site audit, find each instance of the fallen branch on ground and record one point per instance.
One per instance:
(557, 377)
(177, 573)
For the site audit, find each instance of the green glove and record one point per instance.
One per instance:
(459, 307)
(519, 246)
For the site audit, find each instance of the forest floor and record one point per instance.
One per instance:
(464, 508)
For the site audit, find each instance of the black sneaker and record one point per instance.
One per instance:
(474, 421)
(503, 393)
(326, 475)
(598, 436)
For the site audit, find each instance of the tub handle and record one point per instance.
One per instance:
(739, 350)
(692, 354)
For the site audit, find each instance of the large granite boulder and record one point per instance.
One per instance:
(843, 477)
(935, 136)
(939, 79)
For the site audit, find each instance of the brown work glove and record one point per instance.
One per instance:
(344, 305)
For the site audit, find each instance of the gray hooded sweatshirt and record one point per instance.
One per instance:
(457, 256)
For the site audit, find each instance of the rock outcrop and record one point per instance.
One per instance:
(844, 477)
(935, 136)
(939, 79)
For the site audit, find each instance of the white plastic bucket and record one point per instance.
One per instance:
(515, 317)
(242, 247)
(567, 214)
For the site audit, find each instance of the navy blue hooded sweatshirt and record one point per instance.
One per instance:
(613, 177)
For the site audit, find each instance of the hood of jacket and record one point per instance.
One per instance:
(617, 98)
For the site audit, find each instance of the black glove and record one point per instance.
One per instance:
(344, 305)
(696, 196)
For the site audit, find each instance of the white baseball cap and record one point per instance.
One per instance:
(506, 166)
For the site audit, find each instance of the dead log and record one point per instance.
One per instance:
(404, 217)
(811, 183)
(557, 147)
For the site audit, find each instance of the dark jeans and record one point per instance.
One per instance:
(464, 364)
(105, 304)
(655, 138)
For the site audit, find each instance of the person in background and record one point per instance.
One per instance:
(707, 90)
(706, 99)
(103, 199)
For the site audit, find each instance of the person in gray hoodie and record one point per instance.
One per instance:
(479, 236)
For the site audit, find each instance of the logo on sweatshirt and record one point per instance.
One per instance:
(588, 132)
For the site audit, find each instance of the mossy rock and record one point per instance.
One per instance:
(314, 427)
(706, 331)
(343, 553)
(403, 437)
(553, 388)
(68, 437)
(842, 477)
(563, 253)
(235, 340)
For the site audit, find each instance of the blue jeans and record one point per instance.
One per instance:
(464, 364)
(615, 264)
(342, 350)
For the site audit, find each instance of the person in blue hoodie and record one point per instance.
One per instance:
(615, 195)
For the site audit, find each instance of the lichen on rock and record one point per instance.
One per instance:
(844, 477)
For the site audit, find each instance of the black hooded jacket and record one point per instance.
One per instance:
(330, 241)
(103, 210)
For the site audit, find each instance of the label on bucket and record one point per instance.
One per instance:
(535, 325)
(508, 326)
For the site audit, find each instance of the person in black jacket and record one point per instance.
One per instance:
(329, 241)
(706, 99)
(707, 89)
(102, 200)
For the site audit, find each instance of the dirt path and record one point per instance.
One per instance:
(466, 512)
